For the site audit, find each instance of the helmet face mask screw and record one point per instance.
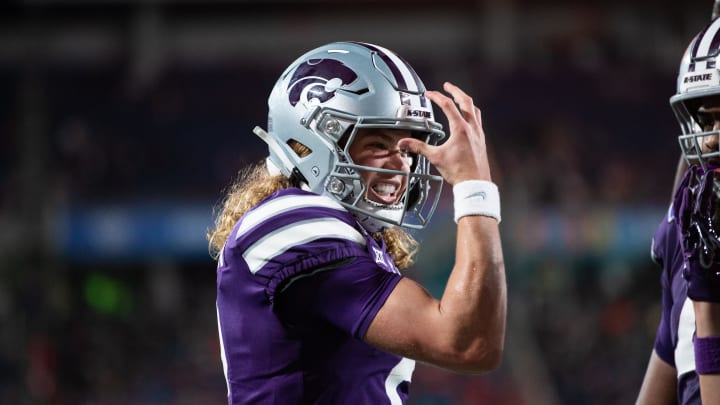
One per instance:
(332, 127)
(336, 186)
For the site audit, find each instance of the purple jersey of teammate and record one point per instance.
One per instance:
(674, 339)
(298, 284)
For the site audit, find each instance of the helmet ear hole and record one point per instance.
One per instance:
(300, 149)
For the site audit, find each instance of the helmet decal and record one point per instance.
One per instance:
(319, 78)
(692, 50)
(705, 47)
(406, 78)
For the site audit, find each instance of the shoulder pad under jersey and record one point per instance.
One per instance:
(292, 224)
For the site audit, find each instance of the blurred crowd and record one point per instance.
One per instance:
(584, 156)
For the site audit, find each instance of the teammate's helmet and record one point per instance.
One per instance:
(698, 78)
(322, 99)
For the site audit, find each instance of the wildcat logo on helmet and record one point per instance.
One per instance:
(318, 79)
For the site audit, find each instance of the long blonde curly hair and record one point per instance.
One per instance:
(254, 183)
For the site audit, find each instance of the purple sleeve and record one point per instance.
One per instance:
(663, 342)
(659, 251)
(658, 247)
(348, 296)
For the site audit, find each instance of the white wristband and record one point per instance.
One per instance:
(476, 197)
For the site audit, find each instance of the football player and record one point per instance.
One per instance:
(684, 366)
(311, 304)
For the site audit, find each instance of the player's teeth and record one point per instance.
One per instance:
(382, 188)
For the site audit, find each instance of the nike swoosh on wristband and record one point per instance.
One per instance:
(480, 194)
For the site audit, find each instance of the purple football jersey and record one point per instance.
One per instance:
(673, 342)
(298, 284)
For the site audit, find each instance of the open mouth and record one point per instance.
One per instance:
(384, 192)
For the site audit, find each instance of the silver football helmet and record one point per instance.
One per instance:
(697, 79)
(321, 101)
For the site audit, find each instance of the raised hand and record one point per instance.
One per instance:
(693, 208)
(464, 155)
(683, 203)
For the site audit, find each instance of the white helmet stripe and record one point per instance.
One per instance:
(401, 66)
(708, 40)
(405, 77)
(695, 45)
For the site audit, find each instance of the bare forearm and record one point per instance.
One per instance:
(707, 318)
(465, 330)
(658, 387)
(707, 323)
(475, 298)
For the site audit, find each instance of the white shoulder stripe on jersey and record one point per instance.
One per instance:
(402, 67)
(279, 241)
(283, 204)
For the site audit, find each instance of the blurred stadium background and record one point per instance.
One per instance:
(122, 122)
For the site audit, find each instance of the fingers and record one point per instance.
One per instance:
(464, 155)
(684, 209)
(464, 102)
(685, 182)
(705, 194)
(458, 108)
(682, 205)
(415, 146)
(452, 112)
(446, 104)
